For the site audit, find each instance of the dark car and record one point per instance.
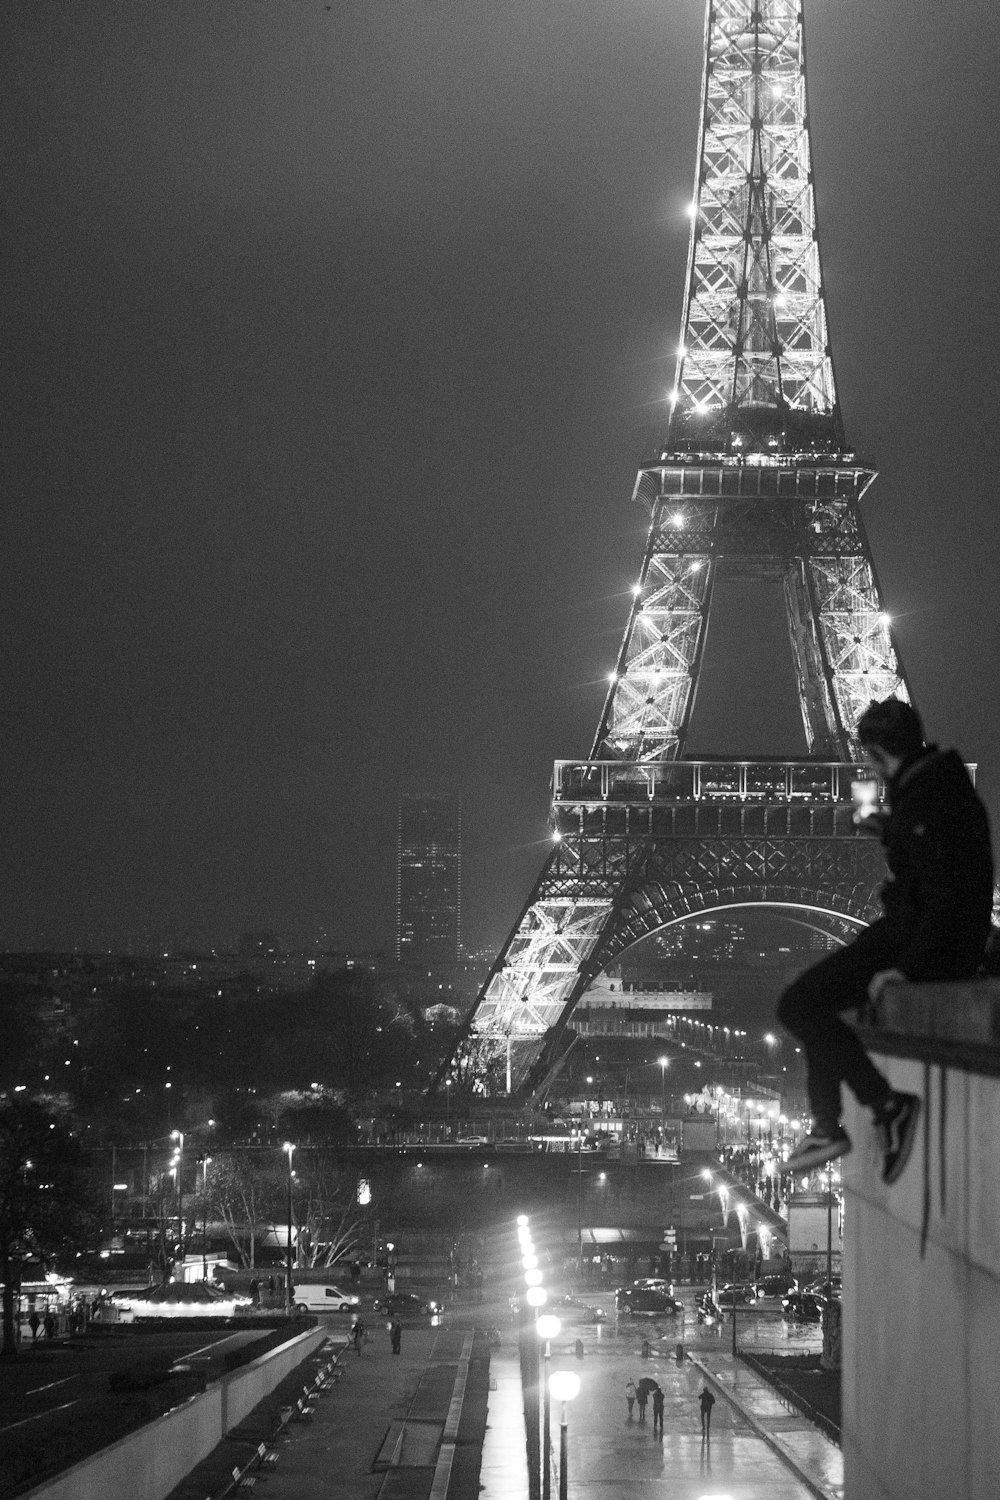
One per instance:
(646, 1299)
(572, 1310)
(803, 1307)
(401, 1303)
(779, 1284)
(742, 1294)
(826, 1288)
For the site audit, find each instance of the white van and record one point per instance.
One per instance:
(320, 1298)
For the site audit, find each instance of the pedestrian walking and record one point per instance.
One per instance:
(49, 1324)
(34, 1323)
(706, 1401)
(658, 1412)
(937, 903)
(358, 1336)
(396, 1335)
(630, 1396)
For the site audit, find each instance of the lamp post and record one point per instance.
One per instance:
(534, 1300)
(829, 1229)
(178, 1162)
(288, 1248)
(663, 1061)
(565, 1387)
(547, 1327)
(579, 1200)
(204, 1217)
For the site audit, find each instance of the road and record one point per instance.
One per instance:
(52, 1387)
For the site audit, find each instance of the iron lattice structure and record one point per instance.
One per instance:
(755, 479)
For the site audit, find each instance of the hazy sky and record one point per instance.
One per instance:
(334, 334)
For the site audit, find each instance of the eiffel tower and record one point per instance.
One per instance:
(755, 480)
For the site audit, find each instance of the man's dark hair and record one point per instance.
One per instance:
(891, 725)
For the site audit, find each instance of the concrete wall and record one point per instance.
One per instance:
(149, 1463)
(922, 1269)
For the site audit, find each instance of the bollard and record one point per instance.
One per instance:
(578, 1348)
(680, 1354)
(645, 1348)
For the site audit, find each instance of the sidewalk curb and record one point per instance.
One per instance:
(773, 1442)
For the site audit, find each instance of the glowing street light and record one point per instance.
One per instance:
(565, 1387)
(547, 1327)
(178, 1163)
(290, 1149)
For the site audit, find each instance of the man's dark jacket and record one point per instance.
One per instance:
(939, 895)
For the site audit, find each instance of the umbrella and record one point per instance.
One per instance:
(646, 1387)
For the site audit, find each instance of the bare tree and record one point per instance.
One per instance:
(326, 1211)
(246, 1196)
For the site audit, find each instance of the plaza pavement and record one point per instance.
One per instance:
(758, 1450)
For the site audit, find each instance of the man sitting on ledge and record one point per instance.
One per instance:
(937, 901)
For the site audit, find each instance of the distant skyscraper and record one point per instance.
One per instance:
(428, 878)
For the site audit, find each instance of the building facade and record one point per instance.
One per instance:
(429, 878)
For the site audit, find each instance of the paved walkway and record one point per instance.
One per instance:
(757, 1447)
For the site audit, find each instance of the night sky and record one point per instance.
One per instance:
(334, 334)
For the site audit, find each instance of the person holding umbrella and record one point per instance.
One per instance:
(643, 1391)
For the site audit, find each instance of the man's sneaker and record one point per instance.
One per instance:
(818, 1148)
(896, 1123)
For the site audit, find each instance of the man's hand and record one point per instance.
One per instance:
(879, 981)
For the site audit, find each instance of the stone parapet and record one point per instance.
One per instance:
(922, 1258)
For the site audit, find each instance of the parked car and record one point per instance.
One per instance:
(646, 1299)
(824, 1288)
(742, 1294)
(779, 1284)
(803, 1307)
(181, 1299)
(572, 1310)
(398, 1304)
(324, 1298)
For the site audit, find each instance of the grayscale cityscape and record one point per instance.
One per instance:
(500, 947)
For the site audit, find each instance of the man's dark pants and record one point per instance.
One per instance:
(811, 1010)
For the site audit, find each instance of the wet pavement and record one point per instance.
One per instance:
(758, 1449)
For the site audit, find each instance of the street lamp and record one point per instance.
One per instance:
(565, 1387)
(579, 1200)
(547, 1327)
(664, 1062)
(204, 1217)
(288, 1248)
(178, 1162)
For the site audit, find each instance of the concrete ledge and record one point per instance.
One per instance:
(922, 1257)
(149, 1463)
(954, 1024)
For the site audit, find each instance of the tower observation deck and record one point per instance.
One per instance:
(754, 480)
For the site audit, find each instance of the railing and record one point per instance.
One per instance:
(727, 781)
(788, 1394)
